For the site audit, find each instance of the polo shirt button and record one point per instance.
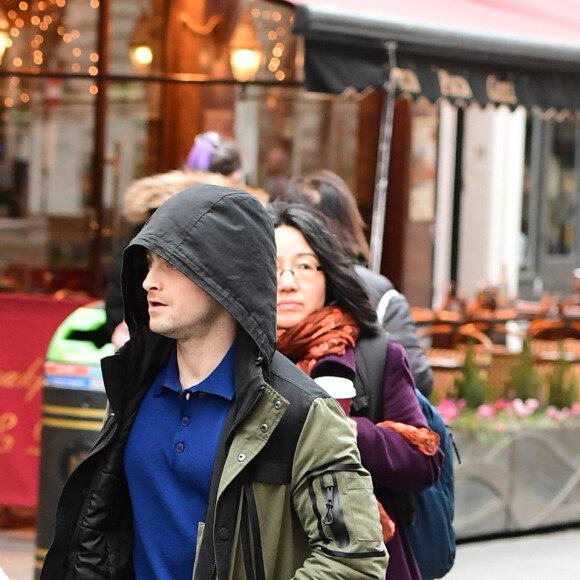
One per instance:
(263, 428)
(180, 447)
(187, 395)
(185, 421)
(277, 405)
(224, 533)
(242, 457)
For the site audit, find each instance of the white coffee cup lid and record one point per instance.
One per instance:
(337, 387)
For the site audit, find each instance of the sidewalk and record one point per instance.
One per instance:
(535, 557)
(17, 553)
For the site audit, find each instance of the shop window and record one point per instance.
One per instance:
(47, 144)
(529, 195)
(562, 192)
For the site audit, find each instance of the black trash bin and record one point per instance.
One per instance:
(73, 409)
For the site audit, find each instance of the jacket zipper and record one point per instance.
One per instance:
(328, 518)
(257, 395)
(334, 515)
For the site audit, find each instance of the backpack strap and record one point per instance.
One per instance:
(384, 304)
(370, 358)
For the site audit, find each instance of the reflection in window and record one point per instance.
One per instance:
(561, 192)
(525, 246)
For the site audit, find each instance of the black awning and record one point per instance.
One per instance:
(333, 67)
(477, 58)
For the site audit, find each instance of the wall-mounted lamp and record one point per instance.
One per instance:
(140, 51)
(245, 49)
(5, 40)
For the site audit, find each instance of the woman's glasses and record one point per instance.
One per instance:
(303, 270)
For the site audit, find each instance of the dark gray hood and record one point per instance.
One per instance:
(223, 240)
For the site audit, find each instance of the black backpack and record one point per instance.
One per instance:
(430, 531)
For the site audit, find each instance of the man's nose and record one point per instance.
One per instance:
(150, 280)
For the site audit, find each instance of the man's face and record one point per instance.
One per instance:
(178, 308)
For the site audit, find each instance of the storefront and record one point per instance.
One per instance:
(79, 121)
(506, 84)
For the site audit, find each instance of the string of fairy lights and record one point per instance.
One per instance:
(274, 24)
(39, 36)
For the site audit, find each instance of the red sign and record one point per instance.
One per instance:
(27, 324)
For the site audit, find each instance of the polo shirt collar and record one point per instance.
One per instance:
(220, 382)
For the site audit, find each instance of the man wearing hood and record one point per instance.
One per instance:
(219, 458)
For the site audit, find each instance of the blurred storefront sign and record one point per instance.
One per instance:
(463, 51)
(28, 323)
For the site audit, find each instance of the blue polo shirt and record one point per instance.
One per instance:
(169, 462)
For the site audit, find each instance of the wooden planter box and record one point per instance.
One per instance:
(520, 481)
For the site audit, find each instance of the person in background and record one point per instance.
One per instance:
(219, 458)
(276, 175)
(327, 192)
(323, 310)
(212, 153)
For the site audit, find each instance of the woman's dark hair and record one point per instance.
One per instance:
(329, 193)
(343, 286)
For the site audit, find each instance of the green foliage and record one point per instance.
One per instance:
(563, 386)
(524, 381)
(471, 387)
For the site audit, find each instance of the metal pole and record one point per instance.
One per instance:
(96, 266)
(384, 154)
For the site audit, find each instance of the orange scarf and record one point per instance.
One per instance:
(327, 331)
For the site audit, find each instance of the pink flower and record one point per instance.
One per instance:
(561, 415)
(450, 409)
(485, 412)
(501, 404)
(526, 409)
(532, 405)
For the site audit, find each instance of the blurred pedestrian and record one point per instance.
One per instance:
(219, 458)
(329, 193)
(276, 175)
(323, 310)
(212, 153)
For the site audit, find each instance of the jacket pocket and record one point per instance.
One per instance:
(344, 505)
(359, 489)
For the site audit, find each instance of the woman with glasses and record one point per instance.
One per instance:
(323, 311)
(328, 193)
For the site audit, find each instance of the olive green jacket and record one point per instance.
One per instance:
(289, 497)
